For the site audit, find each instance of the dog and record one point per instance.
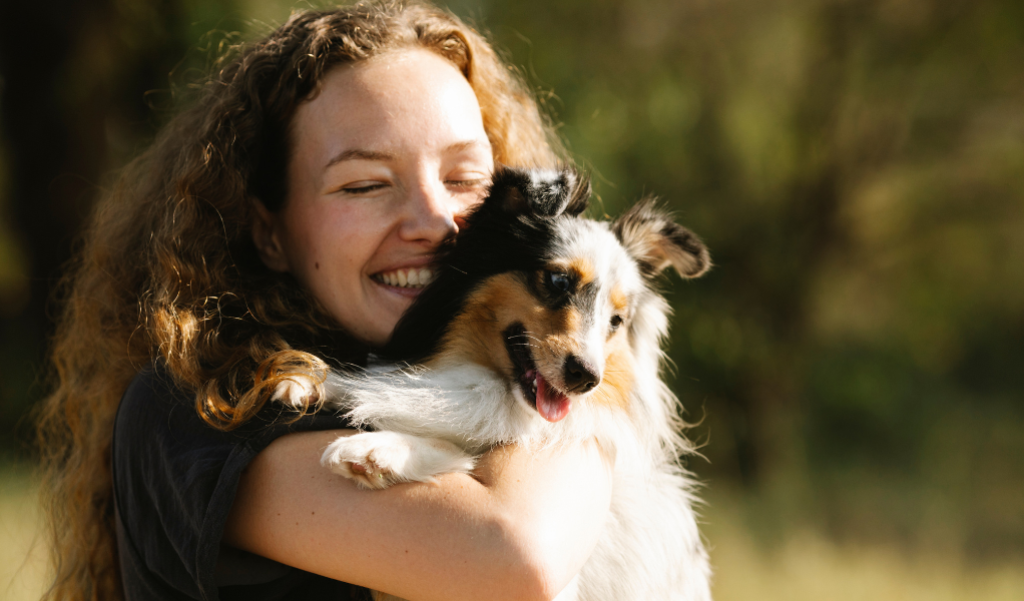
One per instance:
(542, 327)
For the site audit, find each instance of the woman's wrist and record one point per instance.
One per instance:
(554, 500)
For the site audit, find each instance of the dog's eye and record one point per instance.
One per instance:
(615, 322)
(558, 282)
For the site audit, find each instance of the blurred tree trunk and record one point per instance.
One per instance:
(55, 145)
(74, 82)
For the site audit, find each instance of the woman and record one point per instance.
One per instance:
(272, 228)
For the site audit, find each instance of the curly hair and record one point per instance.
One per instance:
(168, 272)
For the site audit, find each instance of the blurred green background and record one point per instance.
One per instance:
(856, 167)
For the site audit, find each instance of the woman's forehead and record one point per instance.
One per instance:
(412, 98)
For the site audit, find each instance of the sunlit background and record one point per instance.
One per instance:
(855, 358)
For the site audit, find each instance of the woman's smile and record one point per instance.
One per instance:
(410, 280)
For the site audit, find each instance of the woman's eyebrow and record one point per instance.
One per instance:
(354, 154)
(467, 145)
(359, 154)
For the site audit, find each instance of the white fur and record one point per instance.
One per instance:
(432, 421)
(295, 390)
(380, 459)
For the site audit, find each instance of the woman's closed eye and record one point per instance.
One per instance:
(468, 183)
(472, 180)
(363, 187)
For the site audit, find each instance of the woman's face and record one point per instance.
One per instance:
(384, 162)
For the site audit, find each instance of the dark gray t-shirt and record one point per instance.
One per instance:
(175, 479)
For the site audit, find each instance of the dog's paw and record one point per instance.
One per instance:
(367, 458)
(380, 459)
(296, 390)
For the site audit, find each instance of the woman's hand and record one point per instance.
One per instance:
(520, 528)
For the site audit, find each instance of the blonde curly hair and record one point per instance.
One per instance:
(168, 272)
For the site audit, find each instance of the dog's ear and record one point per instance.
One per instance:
(656, 241)
(579, 195)
(540, 192)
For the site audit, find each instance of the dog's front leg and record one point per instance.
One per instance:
(380, 459)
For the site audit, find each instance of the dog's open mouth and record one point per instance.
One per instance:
(549, 402)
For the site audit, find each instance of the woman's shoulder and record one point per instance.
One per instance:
(155, 413)
(154, 406)
(165, 456)
(150, 401)
(162, 443)
(153, 383)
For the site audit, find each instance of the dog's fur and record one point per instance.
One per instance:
(534, 296)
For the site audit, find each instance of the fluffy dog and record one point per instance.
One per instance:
(542, 327)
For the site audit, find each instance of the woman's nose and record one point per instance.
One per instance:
(430, 214)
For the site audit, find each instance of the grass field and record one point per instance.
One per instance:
(22, 564)
(803, 567)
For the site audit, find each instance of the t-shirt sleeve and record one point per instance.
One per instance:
(175, 479)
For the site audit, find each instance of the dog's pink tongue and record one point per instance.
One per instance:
(551, 404)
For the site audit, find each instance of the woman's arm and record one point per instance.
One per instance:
(521, 529)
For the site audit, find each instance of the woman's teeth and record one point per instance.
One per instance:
(406, 278)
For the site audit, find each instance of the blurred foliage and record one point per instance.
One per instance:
(856, 167)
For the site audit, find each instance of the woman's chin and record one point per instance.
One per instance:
(388, 305)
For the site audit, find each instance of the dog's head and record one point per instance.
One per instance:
(551, 301)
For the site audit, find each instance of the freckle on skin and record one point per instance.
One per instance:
(317, 265)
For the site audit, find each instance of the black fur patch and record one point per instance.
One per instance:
(518, 347)
(546, 194)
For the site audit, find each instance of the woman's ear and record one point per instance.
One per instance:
(266, 236)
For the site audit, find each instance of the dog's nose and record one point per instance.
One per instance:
(580, 377)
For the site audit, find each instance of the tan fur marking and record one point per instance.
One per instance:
(476, 333)
(580, 267)
(567, 320)
(619, 299)
(617, 381)
(556, 336)
(583, 269)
